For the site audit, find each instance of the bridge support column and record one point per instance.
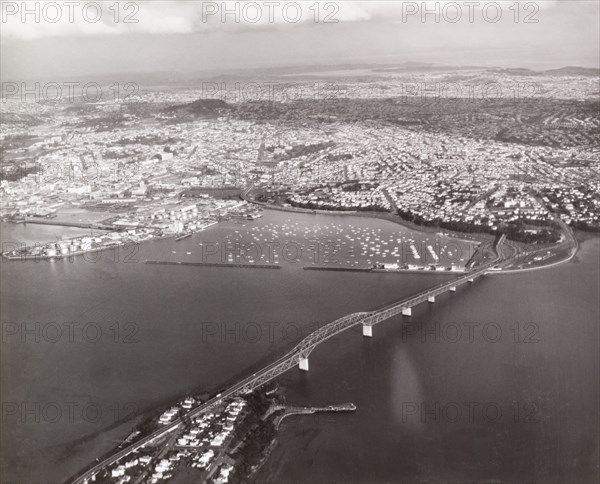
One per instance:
(368, 330)
(407, 312)
(303, 364)
(431, 299)
(453, 288)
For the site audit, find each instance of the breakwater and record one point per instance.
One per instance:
(214, 264)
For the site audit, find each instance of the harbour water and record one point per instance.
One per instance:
(148, 334)
(496, 383)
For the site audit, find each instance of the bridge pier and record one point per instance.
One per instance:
(303, 364)
(431, 299)
(368, 330)
(407, 312)
(453, 288)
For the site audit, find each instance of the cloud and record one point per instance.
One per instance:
(46, 18)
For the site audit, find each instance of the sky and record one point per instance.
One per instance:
(57, 39)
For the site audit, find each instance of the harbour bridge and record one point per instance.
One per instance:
(298, 356)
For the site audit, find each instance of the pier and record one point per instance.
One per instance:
(304, 410)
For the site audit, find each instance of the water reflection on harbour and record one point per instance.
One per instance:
(404, 386)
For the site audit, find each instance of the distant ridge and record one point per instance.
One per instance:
(412, 66)
(563, 71)
(574, 71)
(195, 78)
